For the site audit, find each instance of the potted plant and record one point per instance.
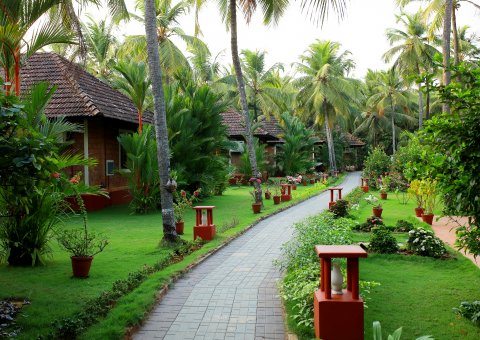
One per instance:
(268, 194)
(257, 204)
(414, 190)
(82, 244)
(275, 185)
(429, 190)
(377, 207)
(384, 184)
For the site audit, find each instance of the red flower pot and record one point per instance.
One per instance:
(383, 195)
(268, 195)
(304, 183)
(286, 198)
(276, 199)
(312, 181)
(428, 218)
(256, 207)
(179, 226)
(365, 188)
(377, 212)
(419, 212)
(81, 265)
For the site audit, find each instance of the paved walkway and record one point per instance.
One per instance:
(233, 293)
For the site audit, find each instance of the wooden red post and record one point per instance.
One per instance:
(339, 316)
(286, 192)
(332, 195)
(205, 231)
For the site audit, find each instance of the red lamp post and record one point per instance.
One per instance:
(286, 192)
(332, 196)
(204, 226)
(364, 184)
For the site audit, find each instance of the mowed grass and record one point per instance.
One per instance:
(133, 243)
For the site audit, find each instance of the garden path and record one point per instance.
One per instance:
(233, 293)
(445, 229)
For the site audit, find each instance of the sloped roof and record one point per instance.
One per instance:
(235, 123)
(352, 140)
(78, 94)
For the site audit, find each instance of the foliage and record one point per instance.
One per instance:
(340, 208)
(257, 191)
(373, 200)
(182, 203)
(141, 169)
(383, 183)
(245, 168)
(469, 310)
(320, 229)
(197, 137)
(377, 333)
(455, 156)
(355, 196)
(376, 164)
(382, 241)
(429, 192)
(403, 226)
(425, 243)
(295, 154)
(407, 157)
(414, 190)
(275, 184)
(372, 222)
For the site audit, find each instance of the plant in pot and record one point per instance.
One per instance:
(82, 244)
(384, 185)
(377, 207)
(429, 190)
(268, 193)
(257, 204)
(414, 190)
(276, 188)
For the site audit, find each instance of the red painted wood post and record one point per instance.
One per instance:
(205, 231)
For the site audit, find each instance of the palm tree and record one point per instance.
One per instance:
(133, 81)
(390, 95)
(206, 70)
(262, 84)
(412, 50)
(469, 42)
(167, 18)
(161, 132)
(324, 91)
(21, 34)
(101, 47)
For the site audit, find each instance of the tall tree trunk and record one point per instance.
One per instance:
(243, 99)
(456, 44)
(163, 152)
(140, 123)
(446, 47)
(427, 105)
(17, 71)
(7, 80)
(393, 130)
(420, 106)
(330, 146)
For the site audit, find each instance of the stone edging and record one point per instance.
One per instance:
(178, 275)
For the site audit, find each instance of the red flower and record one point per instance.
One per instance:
(196, 193)
(55, 175)
(74, 180)
(183, 193)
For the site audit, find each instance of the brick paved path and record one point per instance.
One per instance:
(233, 294)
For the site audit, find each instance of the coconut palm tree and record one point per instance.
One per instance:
(161, 132)
(134, 82)
(206, 70)
(24, 29)
(412, 51)
(469, 45)
(324, 90)
(390, 95)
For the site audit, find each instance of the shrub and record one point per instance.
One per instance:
(382, 241)
(355, 196)
(371, 223)
(469, 310)
(340, 208)
(376, 164)
(403, 226)
(425, 243)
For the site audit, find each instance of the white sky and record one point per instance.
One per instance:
(362, 32)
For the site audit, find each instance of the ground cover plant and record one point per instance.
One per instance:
(133, 246)
(404, 281)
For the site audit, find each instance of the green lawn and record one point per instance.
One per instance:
(133, 243)
(416, 293)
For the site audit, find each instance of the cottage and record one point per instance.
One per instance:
(103, 112)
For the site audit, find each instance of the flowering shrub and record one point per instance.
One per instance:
(372, 222)
(373, 201)
(294, 179)
(376, 164)
(425, 243)
(183, 202)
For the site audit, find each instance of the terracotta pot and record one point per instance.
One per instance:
(428, 218)
(377, 212)
(383, 195)
(304, 183)
(419, 212)
(179, 226)
(365, 188)
(276, 199)
(294, 187)
(256, 207)
(81, 265)
(268, 195)
(312, 181)
(286, 198)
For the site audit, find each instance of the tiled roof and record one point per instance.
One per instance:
(352, 140)
(78, 92)
(235, 123)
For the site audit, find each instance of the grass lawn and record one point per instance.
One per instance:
(133, 243)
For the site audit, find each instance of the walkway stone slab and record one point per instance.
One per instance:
(233, 293)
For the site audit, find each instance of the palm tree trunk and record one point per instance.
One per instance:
(427, 104)
(456, 44)
(140, 123)
(420, 106)
(446, 47)
(330, 147)
(393, 130)
(243, 99)
(17, 71)
(163, 152)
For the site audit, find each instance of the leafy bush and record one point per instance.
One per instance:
(382, 241)
(403, 226)
(425, 243)
(372, 222)
(377, 333)
(245, 168)
(355, 196)
(340, 208)
(407, 155)
(469, 310)
(320, 229)
(376, 164)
